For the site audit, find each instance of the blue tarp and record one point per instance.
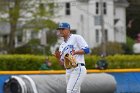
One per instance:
(126, 82)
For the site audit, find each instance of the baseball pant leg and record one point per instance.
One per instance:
(75, 79)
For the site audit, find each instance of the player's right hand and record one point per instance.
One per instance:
(57, 54)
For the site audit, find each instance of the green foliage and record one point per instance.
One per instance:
(91, 61)
(111, 49)
(130, 42)
(17, 9)
(39, 24)
(33, 47)
(25, 62)
(34, 62)
(51, 37)
(20, 62)
(51, 8)
(41, 10)
(124, 61)
(25, 49)
(128, 47)
(30, 48)
(50, 24)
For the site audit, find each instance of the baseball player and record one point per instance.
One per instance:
(71, 54)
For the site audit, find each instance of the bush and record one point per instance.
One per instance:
(25, 62)
(33, 47)
(33, 62)
(20, 62)
(128, 47)
(112, 48)
(123, 61)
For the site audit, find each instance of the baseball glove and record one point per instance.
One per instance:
(69, 61)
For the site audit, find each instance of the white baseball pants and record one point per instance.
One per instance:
(74, 78)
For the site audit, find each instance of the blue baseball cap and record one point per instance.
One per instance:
(63, 26)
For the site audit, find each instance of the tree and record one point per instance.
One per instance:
(25, 12)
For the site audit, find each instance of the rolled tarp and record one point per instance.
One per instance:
(93, 83)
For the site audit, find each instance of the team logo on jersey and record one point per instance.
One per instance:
(68, 48)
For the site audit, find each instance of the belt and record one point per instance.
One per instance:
(81, 64)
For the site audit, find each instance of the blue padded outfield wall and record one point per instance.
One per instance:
(126, 82)
(2, 80)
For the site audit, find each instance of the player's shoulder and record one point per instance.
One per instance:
(76, 35)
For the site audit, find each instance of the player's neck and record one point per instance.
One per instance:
(67, 37)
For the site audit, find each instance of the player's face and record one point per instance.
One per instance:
(63, 32)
